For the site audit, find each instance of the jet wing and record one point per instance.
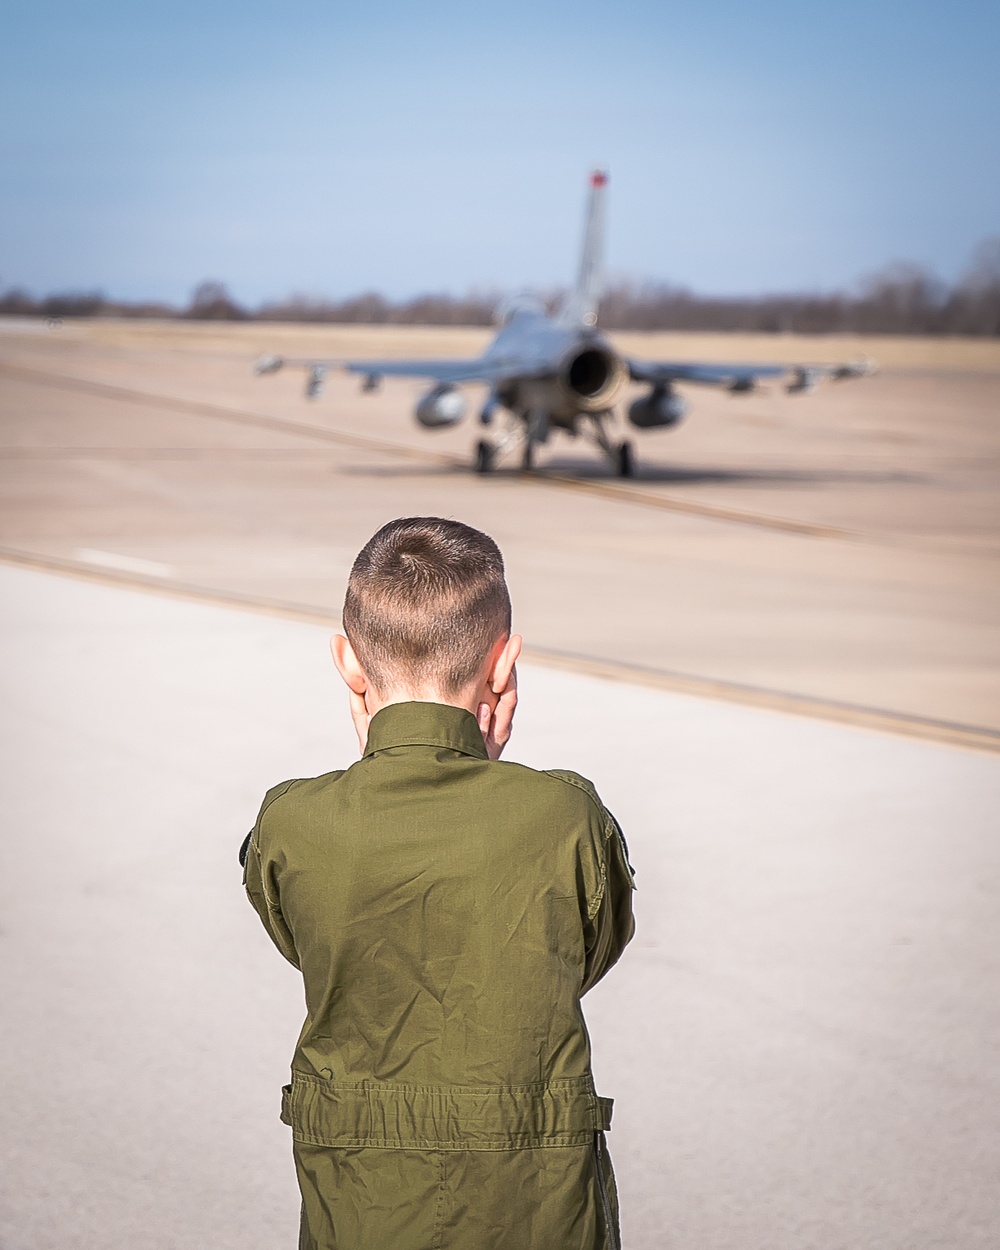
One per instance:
(447, 372)
(491, 370)
(442, 370)
(664, 371)
(742, 377)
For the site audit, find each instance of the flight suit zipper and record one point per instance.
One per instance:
(600, 1151)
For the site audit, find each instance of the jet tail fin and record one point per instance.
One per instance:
(580, 306)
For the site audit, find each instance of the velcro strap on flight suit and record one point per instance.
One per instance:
(446, 1117)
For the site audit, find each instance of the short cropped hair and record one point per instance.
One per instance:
(426, 601)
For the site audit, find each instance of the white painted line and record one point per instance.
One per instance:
(127, 564)
(22, 325)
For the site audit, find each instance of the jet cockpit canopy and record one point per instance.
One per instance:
(514, 305)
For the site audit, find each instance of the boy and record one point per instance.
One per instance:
(447, 913)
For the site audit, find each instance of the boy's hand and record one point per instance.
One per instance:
(495, 723)
(361, 718)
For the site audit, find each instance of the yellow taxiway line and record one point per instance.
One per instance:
(605, 490)
(952, 733)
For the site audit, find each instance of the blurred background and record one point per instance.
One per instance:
(775, 648)
(333, 150)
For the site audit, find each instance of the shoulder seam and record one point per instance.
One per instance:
(276, 793)
(609, 822)
(281, 788)
(279, 791)
(570, 779)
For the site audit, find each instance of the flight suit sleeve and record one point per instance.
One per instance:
(606, 885)
(610, 922)
(261, 884)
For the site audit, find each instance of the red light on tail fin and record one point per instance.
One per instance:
(598, 178)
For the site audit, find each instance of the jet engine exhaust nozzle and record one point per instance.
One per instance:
(592, 378)
(440, 407)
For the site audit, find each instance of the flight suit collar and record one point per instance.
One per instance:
(425, 724)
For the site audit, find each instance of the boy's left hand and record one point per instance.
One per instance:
(495, 724)
(361, 717)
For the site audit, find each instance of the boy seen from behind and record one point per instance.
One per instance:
(447, 912)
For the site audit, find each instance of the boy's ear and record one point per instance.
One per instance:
(504, 659)
(347, 664)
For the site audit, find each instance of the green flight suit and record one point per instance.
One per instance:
(447, 913)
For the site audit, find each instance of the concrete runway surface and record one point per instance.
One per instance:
(802, 1039)
(841, 546)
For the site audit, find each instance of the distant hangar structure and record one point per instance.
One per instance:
(556, 371)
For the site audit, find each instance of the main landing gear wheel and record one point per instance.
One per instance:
(624, 461)
(485, 456)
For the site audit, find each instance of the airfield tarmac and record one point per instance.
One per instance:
(801, 1040)
(839, 548)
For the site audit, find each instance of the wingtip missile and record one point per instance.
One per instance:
(268, 364)
(861, 368)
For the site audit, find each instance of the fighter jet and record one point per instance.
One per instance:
(556, 371)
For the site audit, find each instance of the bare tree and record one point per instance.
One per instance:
(975, 303)
(210, 301)
(903, 298)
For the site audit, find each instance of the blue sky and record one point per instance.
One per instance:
(329, 148)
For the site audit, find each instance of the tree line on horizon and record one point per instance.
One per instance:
(902, 299)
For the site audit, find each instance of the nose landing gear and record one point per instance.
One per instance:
(520, 431)
(485, 456)
(527, 430)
